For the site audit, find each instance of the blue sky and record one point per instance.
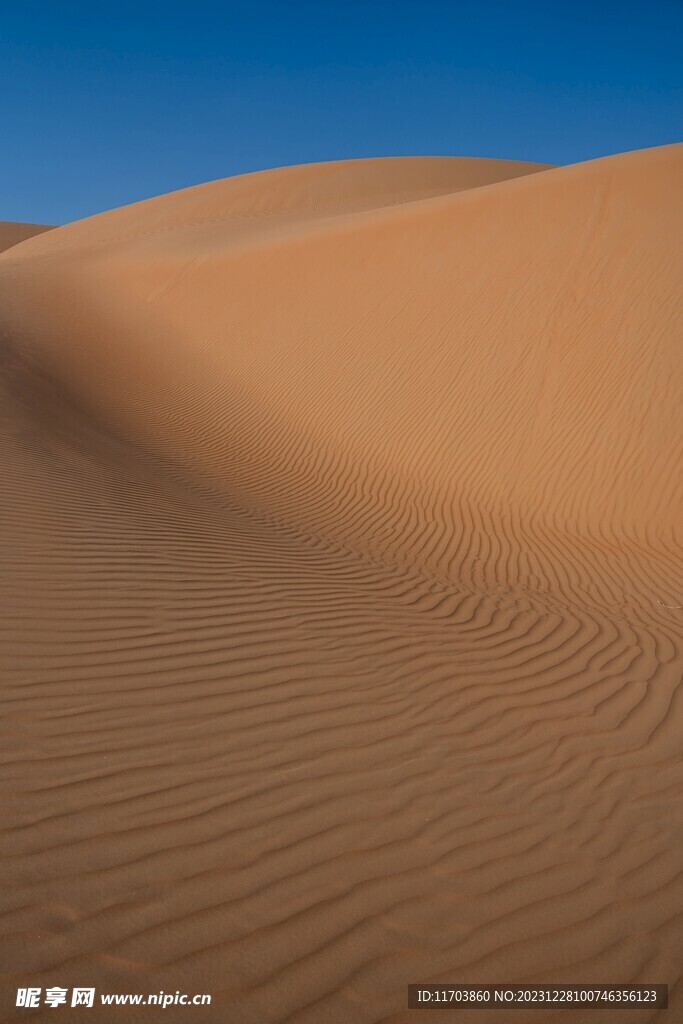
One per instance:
(103, 104)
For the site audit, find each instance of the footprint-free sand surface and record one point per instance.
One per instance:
(340, 523)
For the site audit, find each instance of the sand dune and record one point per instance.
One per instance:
(342, 576)
(13, 233)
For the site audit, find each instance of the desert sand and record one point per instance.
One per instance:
(341, 575)
(11, 233)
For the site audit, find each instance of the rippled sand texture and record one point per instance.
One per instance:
(342, 590)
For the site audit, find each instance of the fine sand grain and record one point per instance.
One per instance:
(342, 580)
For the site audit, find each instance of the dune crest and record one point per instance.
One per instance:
(12, 233)
(342, 560)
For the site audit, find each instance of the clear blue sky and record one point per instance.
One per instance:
(106, 103)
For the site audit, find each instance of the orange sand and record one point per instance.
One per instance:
(341, 560)
(12, 234)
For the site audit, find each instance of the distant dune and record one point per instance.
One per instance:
(11, 234)
(343, 573)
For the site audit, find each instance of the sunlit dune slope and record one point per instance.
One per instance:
(303, 192)
(501, 353)
(12, 233)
